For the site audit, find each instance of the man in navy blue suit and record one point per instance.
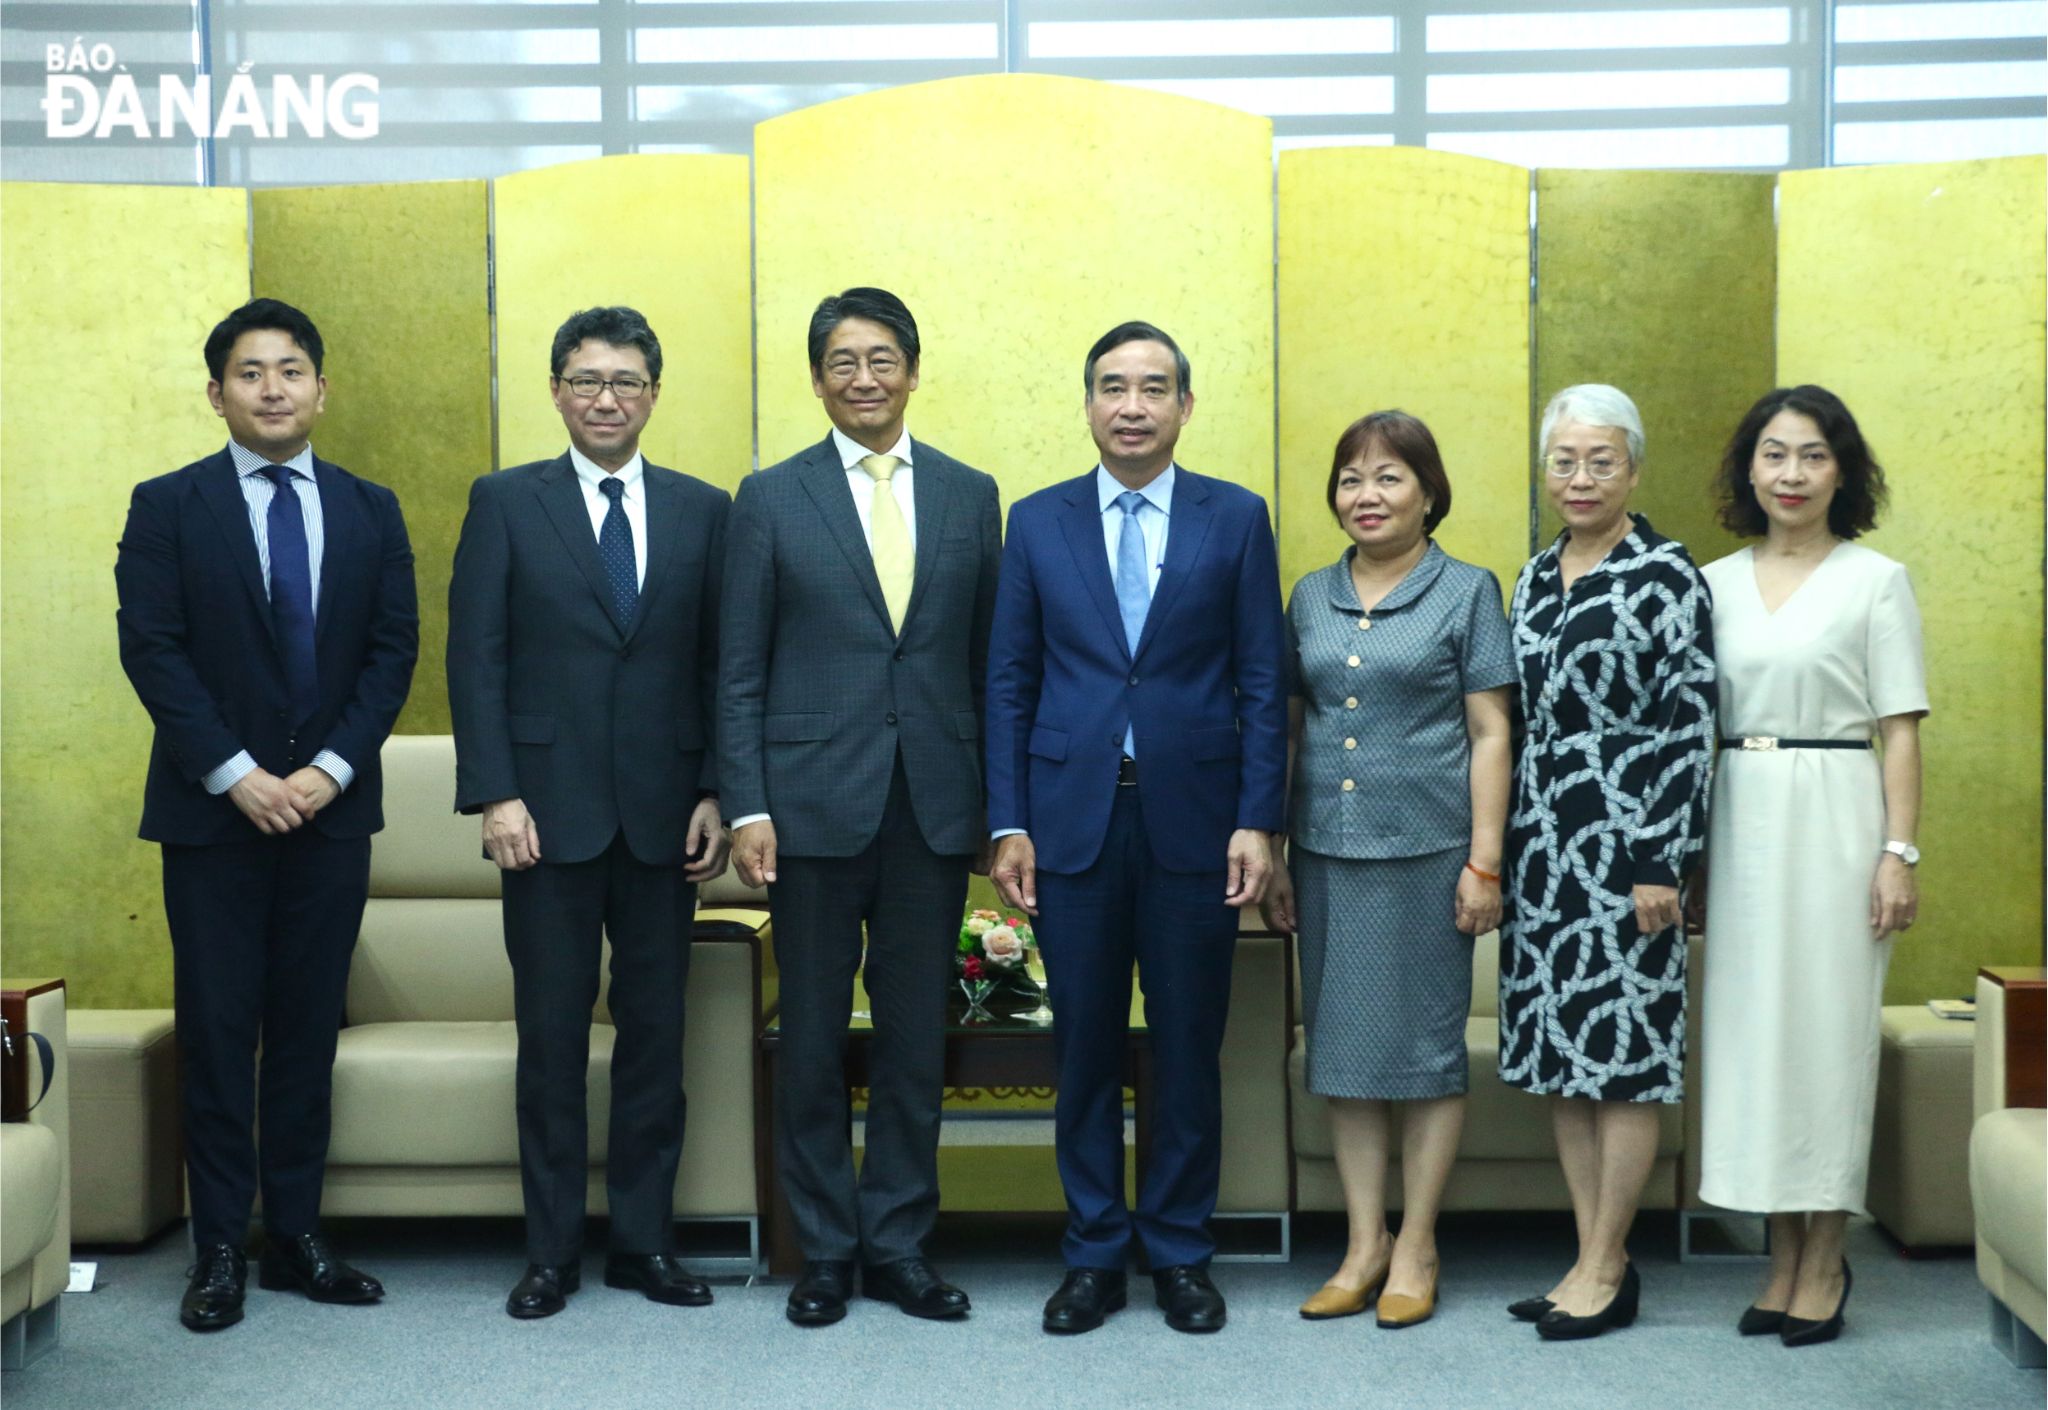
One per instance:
(1137, 749)
(268, 622)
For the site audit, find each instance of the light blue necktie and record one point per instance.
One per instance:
(1133, 586)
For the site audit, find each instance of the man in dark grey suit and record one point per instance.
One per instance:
(860, 584)
(582, 673)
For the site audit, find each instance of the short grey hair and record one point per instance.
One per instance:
(1595, 404)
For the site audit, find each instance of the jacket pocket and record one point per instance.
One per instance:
(1210, 744)
(967, 724)
(796, 728)
(690, 735)
(1048, 743)
(531, 729)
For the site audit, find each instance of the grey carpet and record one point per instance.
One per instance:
(1916, 1336)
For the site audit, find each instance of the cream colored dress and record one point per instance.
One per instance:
(1794, 979)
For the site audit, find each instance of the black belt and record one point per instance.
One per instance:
(1127, 773)
(1770, 743)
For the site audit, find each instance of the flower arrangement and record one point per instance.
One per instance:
(993, 952)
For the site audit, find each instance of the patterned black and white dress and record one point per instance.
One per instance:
(1617, 707)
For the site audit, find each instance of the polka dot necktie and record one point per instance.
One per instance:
(615, 547)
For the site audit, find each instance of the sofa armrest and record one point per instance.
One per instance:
(38, 1007)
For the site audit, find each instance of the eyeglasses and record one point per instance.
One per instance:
(1600, 467)
(624, 388)
(842, 368)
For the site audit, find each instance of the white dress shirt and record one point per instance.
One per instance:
(851, 453)
(589, 474)
(863, 485)
(257, 492)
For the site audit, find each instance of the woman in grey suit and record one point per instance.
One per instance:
(1399, 798)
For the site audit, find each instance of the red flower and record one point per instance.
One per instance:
(1016, 922)
(972, 967)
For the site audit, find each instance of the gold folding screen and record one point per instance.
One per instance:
(397, 278)
(111, 291)
(1403, 279)
(1021, 217)
(1404, 282)
(1916, 294)
(1662, 283)
(665, 234)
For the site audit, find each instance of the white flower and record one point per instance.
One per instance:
(980, 924)
(1003, 946)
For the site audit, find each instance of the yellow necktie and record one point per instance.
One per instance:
(889, 538)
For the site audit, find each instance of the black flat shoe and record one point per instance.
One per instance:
(819, 1297)
(544, 1290)
(1530, 1309)
(660, 1276)
(913, 1285)
(1189, 1300)
(1620, 1311)
(1086, 1297)
(1804, 1331)
(1760, 1322)
(307, 1263)
(213, 1296)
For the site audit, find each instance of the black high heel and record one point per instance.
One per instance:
(1619, 1312)
(1530, 1309)
(1760, 1322)
(1804, 1331)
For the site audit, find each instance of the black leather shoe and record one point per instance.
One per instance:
(1530, 1309)
(544, 1290)
(819, 1297)
(307, 1263)
(659, 1275)
(213, 1297)
(1086, 1297)
(915, 1286)
(1804, 1331)
(1620, 1311)
(1760, 1322)
(1188, 1298)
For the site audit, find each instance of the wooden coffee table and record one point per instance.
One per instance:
(1004, 1052)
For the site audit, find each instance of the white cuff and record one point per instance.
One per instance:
(1003, 832)
(737, 823)
(227, 775)
(336, 768)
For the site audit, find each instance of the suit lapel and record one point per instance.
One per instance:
(337, 535)
(221, 490)
(931, 497)
(1082, 524)
(664, 521)
(562, 497)
(1187, 527)
(824, 480)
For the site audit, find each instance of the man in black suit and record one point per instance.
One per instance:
(860, 583)
(582, 667)
(268, 622)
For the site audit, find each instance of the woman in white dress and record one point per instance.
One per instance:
(1810, 851)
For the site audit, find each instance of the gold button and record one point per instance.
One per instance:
(1349, 785)
(1351, 702)
(1364, 623)
(1350, 744)
(1352, 662)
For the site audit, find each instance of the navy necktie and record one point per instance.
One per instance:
(615, 547)
(291, 593)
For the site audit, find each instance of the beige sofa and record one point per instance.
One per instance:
(1508, 1158)
(35, 1178)
(423, 1074)
(2009, 1161)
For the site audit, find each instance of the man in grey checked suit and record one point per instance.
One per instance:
(860, 584)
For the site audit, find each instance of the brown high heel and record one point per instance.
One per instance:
(1399, 1310)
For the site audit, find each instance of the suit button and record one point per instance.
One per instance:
(1350, 744)
(1349, 785)
(891, 717)
(899, 653)
(1117, 740)
(625, 653)
(1134, 680)
(1353, 662)
(1351, 702)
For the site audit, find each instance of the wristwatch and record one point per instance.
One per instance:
(1905, 852)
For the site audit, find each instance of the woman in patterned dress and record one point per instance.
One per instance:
(1613, 638)
(1400, 727)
